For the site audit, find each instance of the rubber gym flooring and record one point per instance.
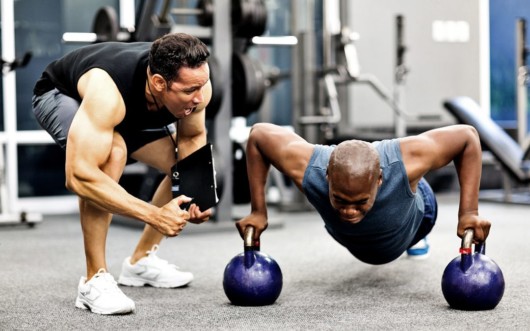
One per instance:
(324, 288)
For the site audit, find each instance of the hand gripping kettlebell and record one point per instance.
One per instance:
(252, 278)
(472, 281)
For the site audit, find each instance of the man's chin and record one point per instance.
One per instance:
(351, 220)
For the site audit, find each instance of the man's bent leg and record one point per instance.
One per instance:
(419, 248)
(144, 267)
(95, 221)
(94, 224)
(99, 292)
(150, 236)
(159, 154)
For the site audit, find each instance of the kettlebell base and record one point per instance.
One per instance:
(251, 304)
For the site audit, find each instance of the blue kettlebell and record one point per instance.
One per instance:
(252, 278)
(472, 281)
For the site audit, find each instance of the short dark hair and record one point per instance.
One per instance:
(173, 51)
(355, 158)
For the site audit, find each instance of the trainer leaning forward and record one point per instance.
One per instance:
(109, 105)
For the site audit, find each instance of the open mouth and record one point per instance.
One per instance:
(188, 111)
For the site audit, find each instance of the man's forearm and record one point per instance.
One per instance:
(110, 196)
(469, 169)
(258, 170)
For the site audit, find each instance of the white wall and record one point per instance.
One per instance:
(438, 69)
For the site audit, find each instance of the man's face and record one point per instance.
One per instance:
(183, 95)
(351, 197)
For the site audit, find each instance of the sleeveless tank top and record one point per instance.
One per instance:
(126, 63)
(388, 228)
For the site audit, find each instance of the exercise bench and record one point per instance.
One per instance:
(506, 151)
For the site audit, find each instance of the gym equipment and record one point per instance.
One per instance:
(250, 82)
(8, 217)
(249, 18)
(105, 27)
(203, 11)
(400, 71)
(252, 278)
(217, 88)
(105, 24)
(512, 158)
(8, 66)
(241, 191)
(248, 85)
(349, 72)
(523, 79)
(472, 281)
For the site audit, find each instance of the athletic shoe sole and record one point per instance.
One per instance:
(418, 257)
(135, 282)
(83, 304)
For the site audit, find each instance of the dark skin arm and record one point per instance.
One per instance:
(435, 149)
(290, 154)
(268, 145)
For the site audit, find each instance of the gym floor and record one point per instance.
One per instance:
(324, 288)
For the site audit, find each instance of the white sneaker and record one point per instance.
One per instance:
(152, 270)
(101, 295)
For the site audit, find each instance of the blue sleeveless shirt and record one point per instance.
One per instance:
(388, 229)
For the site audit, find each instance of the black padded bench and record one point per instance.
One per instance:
(511, 157)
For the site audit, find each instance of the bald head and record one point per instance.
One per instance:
(354, 159)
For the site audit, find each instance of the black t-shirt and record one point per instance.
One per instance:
(126, 63)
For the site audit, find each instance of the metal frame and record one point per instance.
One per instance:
(222, 49)
(522, 77)
(11, 211)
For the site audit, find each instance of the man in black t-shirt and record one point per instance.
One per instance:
(108, 105)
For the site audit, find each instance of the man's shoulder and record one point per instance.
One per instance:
(389, 151)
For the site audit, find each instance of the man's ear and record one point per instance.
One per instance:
(159, 83)
(380, 181)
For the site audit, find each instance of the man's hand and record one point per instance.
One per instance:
(480, 226)
(172, 219)
(257, 220)
(198, 217)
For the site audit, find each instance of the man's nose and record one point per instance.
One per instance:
(350, 211)
(198, 97)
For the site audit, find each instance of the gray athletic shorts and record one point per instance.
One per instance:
(55, 112)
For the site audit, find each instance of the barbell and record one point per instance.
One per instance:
(105, 28)
(203, 11)
(249, 17)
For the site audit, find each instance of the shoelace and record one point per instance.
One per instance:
(158, 261)
(105, 281)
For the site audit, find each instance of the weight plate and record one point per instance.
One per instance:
(206, 16)
(217, 88)
(248, 85)
(105, 24)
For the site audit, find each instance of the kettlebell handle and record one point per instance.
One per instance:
(467, 242)
(248, 239)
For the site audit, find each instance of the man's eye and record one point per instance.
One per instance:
(340, 202)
